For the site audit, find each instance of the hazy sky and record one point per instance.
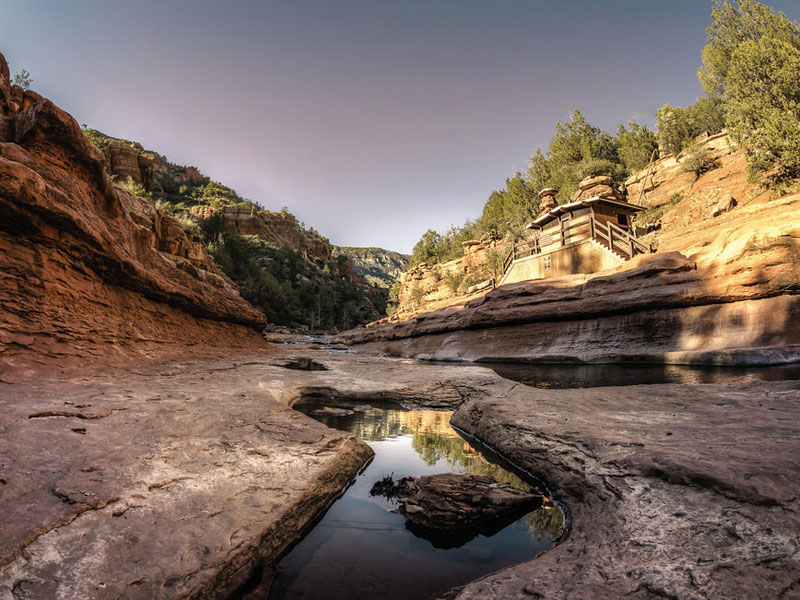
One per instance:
(371, 120)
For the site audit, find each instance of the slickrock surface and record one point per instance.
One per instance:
(179, 480)
(686, 492)
(184, 480)
(87, 270)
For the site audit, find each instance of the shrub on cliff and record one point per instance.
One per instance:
(699, 161)
(23, 79)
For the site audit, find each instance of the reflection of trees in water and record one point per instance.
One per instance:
(545, 522)
(435, 440)
(377, 425)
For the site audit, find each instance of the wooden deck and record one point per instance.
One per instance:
(608, 234)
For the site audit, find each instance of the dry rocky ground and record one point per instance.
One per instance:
(185, 479)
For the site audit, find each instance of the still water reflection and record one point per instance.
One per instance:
(581, 376)
(362, 550)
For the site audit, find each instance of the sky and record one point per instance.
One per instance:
(371, 120)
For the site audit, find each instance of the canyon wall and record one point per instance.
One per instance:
(279, 229)
(87, 269)
(425, 287)
(729, 297)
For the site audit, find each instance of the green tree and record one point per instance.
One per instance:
(763, 90)
(707, 115)
(636, 144)
(511, 208)
(575, 150)
(674, 129)
(23, 79)
(732, 25)
(678, 127)
(427, 248)
(538, 172)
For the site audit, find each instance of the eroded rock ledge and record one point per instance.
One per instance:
(675, 491)
(733, 300)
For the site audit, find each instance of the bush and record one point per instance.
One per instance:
(417, 294)
(599, 166)
(189, 224)
(654, 213)
(699, 161)
(135, 188)
(453, 281)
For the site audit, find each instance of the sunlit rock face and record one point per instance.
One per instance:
(87, 267)
(277, 228)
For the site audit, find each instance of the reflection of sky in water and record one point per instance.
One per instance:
(362, 550)
(581, 376)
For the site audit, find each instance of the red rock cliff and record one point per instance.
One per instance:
(86, 268)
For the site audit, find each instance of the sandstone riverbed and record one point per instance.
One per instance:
(184, 479)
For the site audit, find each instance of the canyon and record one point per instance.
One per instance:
(149, 448)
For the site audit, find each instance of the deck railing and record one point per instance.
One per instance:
(608, 234)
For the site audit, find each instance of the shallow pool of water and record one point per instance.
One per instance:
(361, 549)
(564, 376)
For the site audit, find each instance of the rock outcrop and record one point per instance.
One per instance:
(425, 287)
(279, 229)
(600, 186)
(453, 507)
(87, 269)
(662, 307)
(674, 491)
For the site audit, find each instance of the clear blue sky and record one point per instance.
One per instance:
(371, 120)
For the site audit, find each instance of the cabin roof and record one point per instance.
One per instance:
(565, 208)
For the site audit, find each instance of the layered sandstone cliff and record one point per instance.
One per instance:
(279, 229)
(87, 269)
(426, 287)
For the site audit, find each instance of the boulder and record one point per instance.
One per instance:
(450, 503)
(726, 203)
(548, 203)
(548, 192)
(590, 182)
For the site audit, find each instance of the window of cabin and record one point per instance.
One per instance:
(622, 219)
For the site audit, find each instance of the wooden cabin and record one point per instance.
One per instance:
(586, 236)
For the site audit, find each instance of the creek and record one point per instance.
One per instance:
(361, 549)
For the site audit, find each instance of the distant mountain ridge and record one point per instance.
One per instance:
(379, 267)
